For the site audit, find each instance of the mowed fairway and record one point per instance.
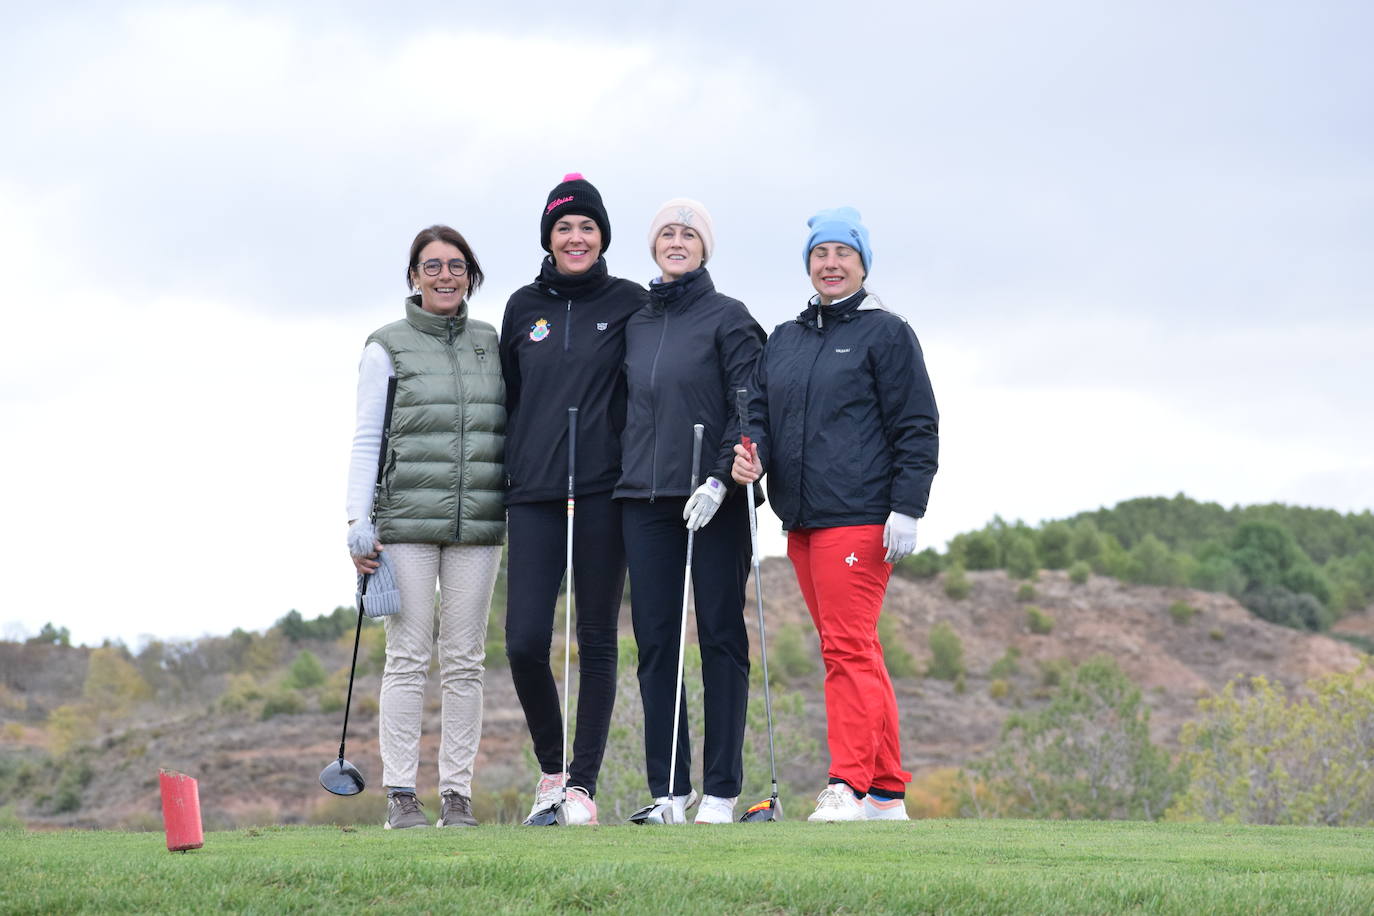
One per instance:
(963, 866)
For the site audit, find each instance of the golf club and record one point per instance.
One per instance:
(342, 777)
(659, 812)
(771, 808)
(553, 815)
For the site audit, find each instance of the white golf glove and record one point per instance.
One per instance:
(899, 536)
(702, 505)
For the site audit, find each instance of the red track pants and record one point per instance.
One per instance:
(843, 578)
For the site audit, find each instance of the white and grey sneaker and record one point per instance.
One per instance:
(716, 810)
(547, 794)
(886, 809)
(672, 809)
(403, 811)
(578, 809)
(837, 803)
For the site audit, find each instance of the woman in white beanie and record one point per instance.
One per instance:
(686, 352)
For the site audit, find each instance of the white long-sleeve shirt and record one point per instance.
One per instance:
(373, 371)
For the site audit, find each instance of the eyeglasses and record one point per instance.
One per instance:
(457, 267)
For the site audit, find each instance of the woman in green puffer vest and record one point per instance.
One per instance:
(438, 511)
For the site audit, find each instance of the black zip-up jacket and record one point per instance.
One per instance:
(563, 345)
(685, 354)
(846, 419)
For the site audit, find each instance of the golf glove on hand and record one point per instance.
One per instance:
(362, 538)
(702, 505)
(899, 536)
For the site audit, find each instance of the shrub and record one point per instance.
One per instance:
(1182, 612)
(923, 565)
(1255, 757)
(981, 551)
(1085, 755)
(1079, 572)
(113, 684)
(1054, 671)
(947, 653)
(70, 727)
(1007, 665)
(1022, 560)
(956, 583)
(305, 671)
(1215, 635)
(1038, 621)
(1025, 592)
(50, 635)
(282, 703)
(10, 821)
(896, 657)
(1086, 542)
(789, 655)
(243, 691)
(999, 689)
(1055, 545)
(1153, 563)
(934, 794)
(1277, 604)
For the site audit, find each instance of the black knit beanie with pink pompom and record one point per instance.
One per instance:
(574, 195)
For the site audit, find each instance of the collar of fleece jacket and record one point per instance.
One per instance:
(682, 291)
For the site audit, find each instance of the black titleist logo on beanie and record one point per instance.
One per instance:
(574, 195)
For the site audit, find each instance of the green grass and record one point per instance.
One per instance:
(960, 866)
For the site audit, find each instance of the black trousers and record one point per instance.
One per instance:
(537, 535)
(656, 547)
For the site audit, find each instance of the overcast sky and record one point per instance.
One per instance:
(1134, 239)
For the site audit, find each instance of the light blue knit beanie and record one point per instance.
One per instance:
(839, 225)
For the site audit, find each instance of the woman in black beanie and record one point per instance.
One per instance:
(563, 345)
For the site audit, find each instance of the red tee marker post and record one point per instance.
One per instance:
(180, 811)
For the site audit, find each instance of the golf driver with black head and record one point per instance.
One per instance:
(663, 812)
(553, 815)
(771, 808)
(342, 777)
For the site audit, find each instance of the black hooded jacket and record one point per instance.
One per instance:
(685, 354)
(845, 416)
(563, 345)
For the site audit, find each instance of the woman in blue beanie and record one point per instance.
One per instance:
(846, 424)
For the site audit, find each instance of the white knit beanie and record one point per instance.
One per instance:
(686, 212)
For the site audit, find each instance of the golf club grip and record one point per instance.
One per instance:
(742, 412)
(697, 431)
(572, 451)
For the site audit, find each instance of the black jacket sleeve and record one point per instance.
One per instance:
(911, 422)
(739, 343)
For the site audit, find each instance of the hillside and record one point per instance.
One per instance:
(255, 770)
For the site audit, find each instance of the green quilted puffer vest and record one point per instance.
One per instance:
(443, 475)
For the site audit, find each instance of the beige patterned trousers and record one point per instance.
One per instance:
(466, 577)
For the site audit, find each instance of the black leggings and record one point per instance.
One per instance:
(656, 542)
(535, 559)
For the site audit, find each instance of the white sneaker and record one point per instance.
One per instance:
(716, 810)
(548, 793)
(837, 803)
(578, 809)
(681, 805)
(887, 809)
